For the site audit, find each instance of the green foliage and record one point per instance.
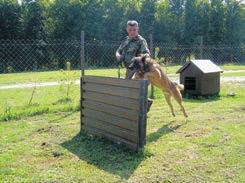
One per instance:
(7, 115)
(9, 69)
(13, 102)
(119, 70)
(161, 60)
(32, 93)
(32, 20)
(178, 21)
(10, 19)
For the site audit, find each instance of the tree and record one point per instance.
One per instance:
(190, 22)
(147, 18)
(163, 30)
(10, 25)
(241, 30)
(178, 21)
(32, 20)
(177, 9)
(216, 22)
(232, 22)
(114, 15)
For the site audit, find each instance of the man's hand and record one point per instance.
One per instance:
(118, 56)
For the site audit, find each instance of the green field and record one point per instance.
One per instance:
(14, 103)
(44, 144)
(57, 75)
(40, 142)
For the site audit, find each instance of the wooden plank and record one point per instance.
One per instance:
(115, 108)
(112, 90)
(109, 109)
(112, 100)
(112, 81)
(117, 131)
(114, 120)
(99, 132)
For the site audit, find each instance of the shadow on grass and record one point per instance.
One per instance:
(201, 99)
(110, 157)
(105, 155)
(164, 130)
(62, 117)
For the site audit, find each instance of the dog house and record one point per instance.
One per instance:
(200, 77)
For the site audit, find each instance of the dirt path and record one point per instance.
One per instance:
(228, 79)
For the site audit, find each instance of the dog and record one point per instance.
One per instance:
(146, 68)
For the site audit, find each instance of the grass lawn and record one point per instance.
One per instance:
(208, 147)
(14, 103)
(234, 74)
(49, 76)
(233, 67)
(57, 75)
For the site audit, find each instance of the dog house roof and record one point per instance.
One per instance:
(206, 66)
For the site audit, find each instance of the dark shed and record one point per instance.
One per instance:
(200, 77)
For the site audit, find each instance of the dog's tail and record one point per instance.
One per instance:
(179, 86)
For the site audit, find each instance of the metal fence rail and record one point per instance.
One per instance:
(40, 55)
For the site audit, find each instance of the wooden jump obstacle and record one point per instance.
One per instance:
(115, 109)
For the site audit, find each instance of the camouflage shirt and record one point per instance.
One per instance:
(130, 48)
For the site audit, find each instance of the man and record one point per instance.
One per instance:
(132, 46)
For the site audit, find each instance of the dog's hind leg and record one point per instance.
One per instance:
(168, 99)
(178, 97)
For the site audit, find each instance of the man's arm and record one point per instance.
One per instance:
(119, 52)
(144, 48)
(118, 56)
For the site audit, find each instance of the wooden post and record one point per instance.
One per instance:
(152, 55)
(82, 59)
(82, 54)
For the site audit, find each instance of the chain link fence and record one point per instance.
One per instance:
(40, 55)
(37, 55)
(24, 91)
(219, 54)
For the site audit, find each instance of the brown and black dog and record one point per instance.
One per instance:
(146, 68)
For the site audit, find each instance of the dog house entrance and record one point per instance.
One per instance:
(190, 83)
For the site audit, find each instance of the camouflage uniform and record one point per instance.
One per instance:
(130, 48)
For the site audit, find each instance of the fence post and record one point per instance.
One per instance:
(152, 55)
(201, 47)
(82, 54)
(82, 59)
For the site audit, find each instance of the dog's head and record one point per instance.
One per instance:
(138, 63)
